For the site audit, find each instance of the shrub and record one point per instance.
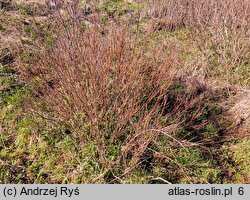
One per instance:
(105, 85)
(219, 29)
(168, 14)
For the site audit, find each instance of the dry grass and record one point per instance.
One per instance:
(168, 14)
(220, 30)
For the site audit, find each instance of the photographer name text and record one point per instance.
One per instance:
(62, 191)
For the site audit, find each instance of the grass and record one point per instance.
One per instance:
(35, 149)
(53, 157)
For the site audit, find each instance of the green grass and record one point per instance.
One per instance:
(45, 155)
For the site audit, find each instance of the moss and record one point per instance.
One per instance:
(117, 7)
(240, 153)
(2, 29)
(138, 176)
(188, 156)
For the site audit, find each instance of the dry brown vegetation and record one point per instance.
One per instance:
(111, 87)
(220, 30)
(104, 85)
